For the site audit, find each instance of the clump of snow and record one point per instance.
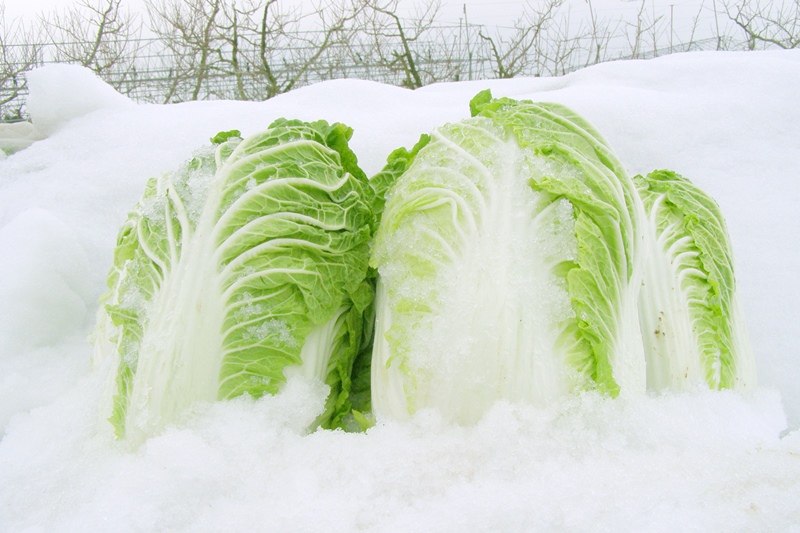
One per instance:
(701, 460)
(44, 288)
(60, 93)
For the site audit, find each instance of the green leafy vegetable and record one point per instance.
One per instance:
(691, 319)
(510, 260)
(246, 266)
(514, 259)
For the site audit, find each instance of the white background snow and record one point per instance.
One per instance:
(699, 461)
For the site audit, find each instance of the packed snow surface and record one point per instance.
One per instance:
(698, 461)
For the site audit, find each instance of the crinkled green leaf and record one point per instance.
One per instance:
(245, 266)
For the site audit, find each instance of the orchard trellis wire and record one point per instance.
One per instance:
(157, 73)
(206, 52)
(154, 74)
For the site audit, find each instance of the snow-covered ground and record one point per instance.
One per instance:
(699, 461)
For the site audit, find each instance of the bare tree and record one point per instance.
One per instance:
(188, 30)
(230, 60)
(285, 47)
(289, 55)
(695, 23)
(99, 35)
(555, 50)
(766, 23)
(513, 54)
(599, 33)
(564, 46)
(394, 40)
(637, 33)
(249, 49)
(19, 52)
(256, 49)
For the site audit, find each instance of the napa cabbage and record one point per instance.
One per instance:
(246, 266)
(510, 255)
(692, 321)
(505, 257)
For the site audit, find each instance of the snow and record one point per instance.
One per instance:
(43, 282)
(696, 461)
(58, 94)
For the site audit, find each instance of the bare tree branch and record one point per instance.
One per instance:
(767, 23)
(394, 39)
(188, 29)
(18, 54)
(512, 54)
(99, 35)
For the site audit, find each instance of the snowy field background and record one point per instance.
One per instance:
(692, 462)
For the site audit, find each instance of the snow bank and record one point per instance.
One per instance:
(60, 93)
(44, 283)
(694, 462)
(699, 461)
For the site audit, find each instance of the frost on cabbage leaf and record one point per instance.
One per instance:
(512, 255)
(510, 260)
(246, 266)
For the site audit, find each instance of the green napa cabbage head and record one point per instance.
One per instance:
(246, 266)
(509, 256)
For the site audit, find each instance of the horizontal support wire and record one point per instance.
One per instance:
(155, 70)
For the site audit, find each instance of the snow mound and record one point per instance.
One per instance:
(60, 93)
(43, 282)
